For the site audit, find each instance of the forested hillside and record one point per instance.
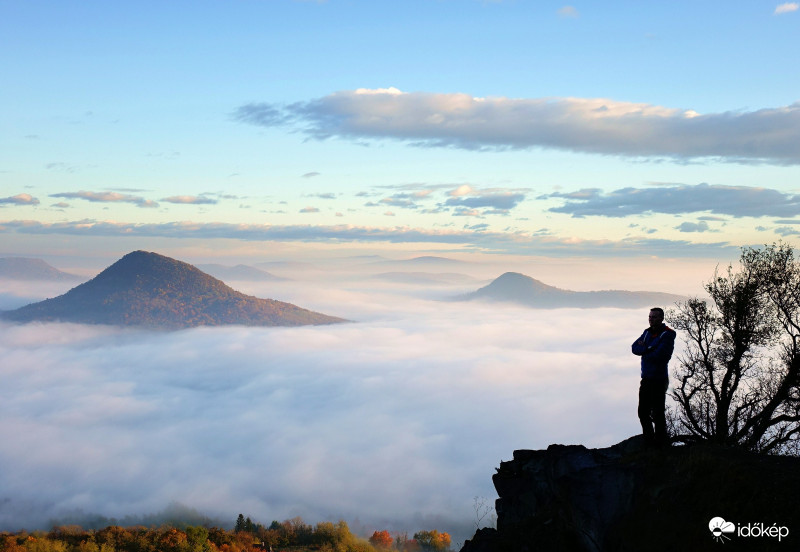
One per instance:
(151, 290)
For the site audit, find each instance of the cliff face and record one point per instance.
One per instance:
(627, 498)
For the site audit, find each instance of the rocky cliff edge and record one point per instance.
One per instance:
(629, 498)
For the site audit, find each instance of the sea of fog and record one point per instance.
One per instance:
(393, 421)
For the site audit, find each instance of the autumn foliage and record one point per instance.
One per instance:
(433, 540)
(290, 535)
(381, 540)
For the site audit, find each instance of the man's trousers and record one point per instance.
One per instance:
(652, 403)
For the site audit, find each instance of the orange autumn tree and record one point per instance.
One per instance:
(381, 539)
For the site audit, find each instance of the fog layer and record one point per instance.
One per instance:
(396, 421)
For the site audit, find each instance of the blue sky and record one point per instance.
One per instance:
(508, 127)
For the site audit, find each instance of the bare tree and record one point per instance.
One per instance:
(483, 508)
(739, 378)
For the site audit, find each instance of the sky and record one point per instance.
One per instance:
(594, 146)
(464, 126)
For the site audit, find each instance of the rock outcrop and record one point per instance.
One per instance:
(625, 497)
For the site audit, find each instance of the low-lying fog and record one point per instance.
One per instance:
(395, 421)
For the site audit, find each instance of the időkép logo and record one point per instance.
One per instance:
(722, 530)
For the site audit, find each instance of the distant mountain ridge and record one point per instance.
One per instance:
(424, 278)
(239, 272)
(25, 268)
(521, 289)
(151, 290)
(425, 262)
(432, 259)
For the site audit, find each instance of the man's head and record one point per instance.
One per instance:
(656, 317)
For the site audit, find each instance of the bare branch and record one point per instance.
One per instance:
(739, 378)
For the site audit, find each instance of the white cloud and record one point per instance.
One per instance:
(108, 197)
(20, 199)
(464, 189)
(391, 91)
(588, 125)
(190, 200)
(786, 7)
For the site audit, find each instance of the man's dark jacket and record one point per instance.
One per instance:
(655, 347)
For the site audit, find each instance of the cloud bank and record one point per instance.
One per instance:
(459, 200)
(736, 201)
(510, 242)
(395, 421)
(586, 125)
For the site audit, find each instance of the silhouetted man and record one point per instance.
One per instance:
(655, 347)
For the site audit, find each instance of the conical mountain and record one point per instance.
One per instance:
(518, 288)
(521, 289)
(147, 289)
